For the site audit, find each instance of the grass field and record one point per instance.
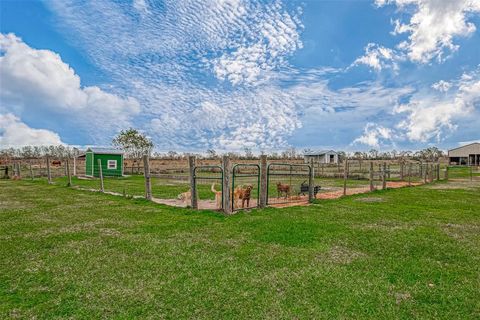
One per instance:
(394, 254)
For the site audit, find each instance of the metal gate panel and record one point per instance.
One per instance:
(205, 179)
(249, 173)
(287, 183)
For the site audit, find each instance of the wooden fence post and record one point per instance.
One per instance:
(263, 182)
(446, 173)
(74, 166)
(371, 177)
(410, 174)
(148, 180)
(311, 182)
(19, 174)
(68, 174)
(49, 174)
(388, 171)
(384, 176)
(193, 185)
(345, 176)
(431, 172)
(402, 166)
(438, 171)
(102, 189)
(425, 173)
(31, 171)
(227, 205)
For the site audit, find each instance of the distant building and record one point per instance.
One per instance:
(465, 155)
(324, 156)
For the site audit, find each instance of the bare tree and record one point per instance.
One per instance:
(211, 153)
(134, 143)
(248, 153)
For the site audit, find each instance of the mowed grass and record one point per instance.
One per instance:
(135, 186)
(463, 172)
(394, 254)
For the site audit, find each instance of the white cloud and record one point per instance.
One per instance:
(463, 143)
(367, 99)
(39, 80)
(430, 115)
(275, 36)
(141, 6)
(378, 57)
(177, 58)
(14, 133)
(433, 26)
(442, 86)
(374, 135)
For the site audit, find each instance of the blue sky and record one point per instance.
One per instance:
(350, 75)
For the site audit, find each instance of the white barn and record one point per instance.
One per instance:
(465, 155)
(324, 156)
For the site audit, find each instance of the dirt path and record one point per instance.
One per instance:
(351, 191)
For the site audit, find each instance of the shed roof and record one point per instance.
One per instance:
(99, 150)
(465, 146)
(319, 153)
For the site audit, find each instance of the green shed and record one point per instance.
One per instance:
(111, 161)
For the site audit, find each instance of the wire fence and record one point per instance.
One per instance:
(286, 183)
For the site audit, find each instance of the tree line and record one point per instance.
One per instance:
(135, 144)
(60, 151)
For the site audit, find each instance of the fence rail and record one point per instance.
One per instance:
(273, 183)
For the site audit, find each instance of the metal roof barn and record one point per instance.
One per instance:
(465, 155)
(323, 156)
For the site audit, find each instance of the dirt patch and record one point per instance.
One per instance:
(352, 191)
(402, 296)
(461, 231)
(171, 202)
(202, 204)
(292, 201)
(339, 193)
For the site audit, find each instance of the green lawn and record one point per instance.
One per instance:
(135, 186)
(463, 172)
(394, 254)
